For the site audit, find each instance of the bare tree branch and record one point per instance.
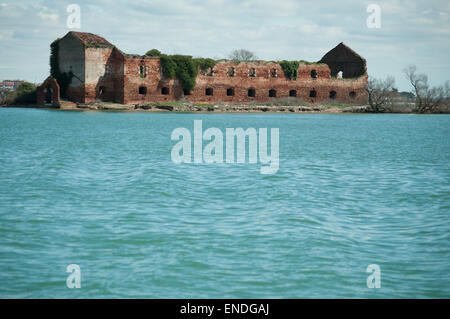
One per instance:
(381, 93)
(242, 55)
(428, 99)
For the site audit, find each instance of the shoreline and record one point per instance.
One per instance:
(176, 107)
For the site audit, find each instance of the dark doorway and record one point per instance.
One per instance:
(209, 91)
(312, 93)
(272, 93)
(332, 95)
(142, 90)
(352, 94)
(251, 93)
(165, 91)
(293, 93)
(101, 91)
(48, 95)
(230, 92)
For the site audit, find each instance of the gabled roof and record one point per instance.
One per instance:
(341, 47)
(90, 39)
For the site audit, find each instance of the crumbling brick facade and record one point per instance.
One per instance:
(48, 93)
(103, 72)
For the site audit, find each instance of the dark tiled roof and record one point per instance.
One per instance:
(91, 40)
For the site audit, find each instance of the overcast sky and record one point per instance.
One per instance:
(412, 32)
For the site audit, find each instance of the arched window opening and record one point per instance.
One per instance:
(332, 95)
(340, 75)
(251, 93)
(292, 93)
(165, 91)
(142, 71)
(252, 72)
(352, 94)
(48, 95)
(274, 73)
(312, 93)
(209, 91)
(142, 90)
(230, 92)
(313, 74)
(272, 93)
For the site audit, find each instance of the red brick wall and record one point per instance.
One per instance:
(151, 80)
(103, 77)
(41, 92)
(105, 73)
(241, 83)
(76, 93)
(112, 76)
(98, 74)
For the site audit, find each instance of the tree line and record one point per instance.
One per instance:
(382, 93)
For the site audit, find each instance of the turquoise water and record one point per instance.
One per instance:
(100, 190)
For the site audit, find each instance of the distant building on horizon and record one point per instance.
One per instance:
(100, 71)
(7, 85)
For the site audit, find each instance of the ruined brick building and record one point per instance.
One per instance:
(103, 72)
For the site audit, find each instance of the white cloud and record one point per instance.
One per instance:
(48, 15)
(10, 11)
(285, 29)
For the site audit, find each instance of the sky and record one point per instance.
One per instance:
(410, 32)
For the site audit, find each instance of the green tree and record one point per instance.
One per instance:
(153, 52)
(24, 94)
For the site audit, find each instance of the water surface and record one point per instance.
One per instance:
(100, 190)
